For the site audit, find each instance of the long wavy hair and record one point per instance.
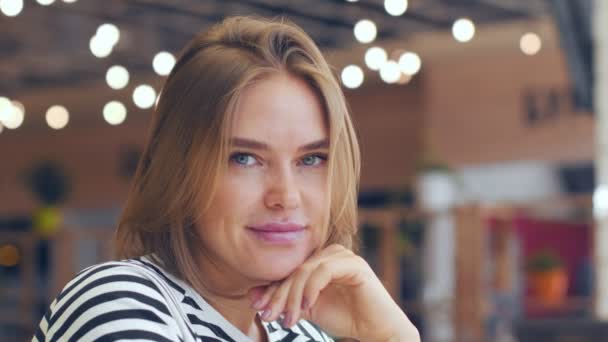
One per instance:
(186, 150)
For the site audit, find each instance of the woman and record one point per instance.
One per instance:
(243, 208)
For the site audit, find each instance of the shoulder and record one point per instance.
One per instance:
(107, 301)
(303, 329)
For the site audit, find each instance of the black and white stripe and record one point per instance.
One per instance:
(138, 300)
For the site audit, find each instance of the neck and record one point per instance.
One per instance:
(227, 293)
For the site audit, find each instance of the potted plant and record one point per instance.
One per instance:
(547, 278)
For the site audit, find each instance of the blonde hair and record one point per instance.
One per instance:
(186, 150)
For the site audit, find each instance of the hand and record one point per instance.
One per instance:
(337, 290)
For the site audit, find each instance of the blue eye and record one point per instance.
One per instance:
(313, 160)
(243, 159)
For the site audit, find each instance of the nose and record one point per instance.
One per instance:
(282, 190)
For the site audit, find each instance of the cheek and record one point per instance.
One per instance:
(316, 203)
(314, 185)
(235, 198)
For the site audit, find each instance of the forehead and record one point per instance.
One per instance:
(280, 108)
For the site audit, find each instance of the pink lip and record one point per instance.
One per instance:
(278, 233)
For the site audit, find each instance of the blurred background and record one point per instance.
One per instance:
(482, 193)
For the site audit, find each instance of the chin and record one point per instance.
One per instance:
(278, 267)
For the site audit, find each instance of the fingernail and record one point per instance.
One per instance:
(286, 320)
(258, 304)
(304, 303)
(266, 314)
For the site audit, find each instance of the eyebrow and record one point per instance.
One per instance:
(257, 145)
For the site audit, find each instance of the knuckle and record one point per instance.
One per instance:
(324, 267)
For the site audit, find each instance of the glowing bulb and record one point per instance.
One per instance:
(57, 117)
(117, 77)
(144, 96)
(69, 1)
(6, 109)
(11, 8)
(389, 72)
(352, 76)
(114, 113)
(99, 48)
(16, 115)
(45, 2)
(375, 57)
(365, 31)
(395, 7)
(108, 33)
(530, 43)
(463, 30)
(163, 63)
(409, 63)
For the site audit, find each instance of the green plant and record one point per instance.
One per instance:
(544, 260)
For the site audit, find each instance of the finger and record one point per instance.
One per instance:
(294, 299)
(317, 281)
(276, 305)
(297, 303)
(278, 302)
(331, 251)
(264, 296)
(345, 270)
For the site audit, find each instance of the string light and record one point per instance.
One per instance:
(352, 76)
(117, 77)
(365, 31)
(108, 33)
(99, 48)
(11, 8)
(114, 112)
(104, 40)
(389, 72)
(12, 113)
(45, 2)
(57, 117)
(375, 57)
(530, 43)
(144, 96)
(163, 63)
(410, 63)
(463, 30)
(395, 7)
(6, 108)
(16, 115)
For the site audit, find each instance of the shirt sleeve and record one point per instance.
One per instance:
(109, 302)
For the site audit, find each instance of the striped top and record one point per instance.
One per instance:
(136, 299)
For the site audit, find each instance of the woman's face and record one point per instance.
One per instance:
(268, 214)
